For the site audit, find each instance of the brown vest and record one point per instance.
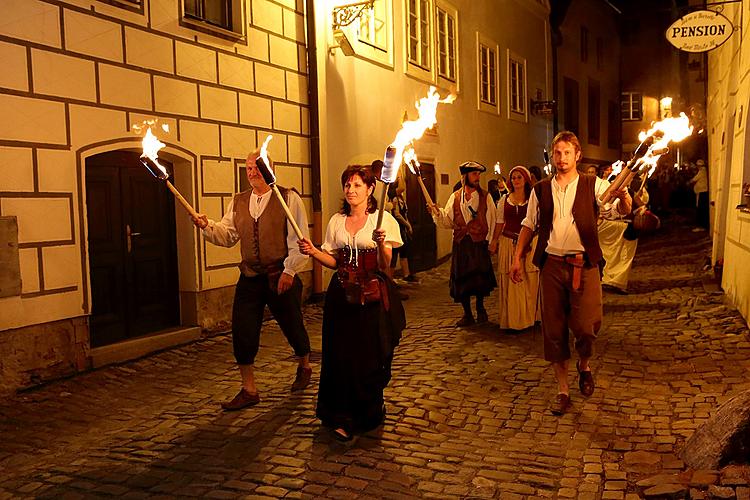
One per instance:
(477, 228)
(585, 212)
(270, 229)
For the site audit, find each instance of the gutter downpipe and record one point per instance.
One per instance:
(312, 90)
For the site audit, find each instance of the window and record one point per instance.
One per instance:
(447, 42)
(217, 17)
(373, 25)
(487, 74)
(584, 44)
(631, 106)
(595, 108)
(570, 105)
(516, 86)
(419, 33)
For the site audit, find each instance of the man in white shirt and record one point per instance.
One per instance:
(564, 209)
(700, 188)
(270, 261)
(470, 213)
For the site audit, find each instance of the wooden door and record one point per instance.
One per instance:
(132, 249)
(424, 242)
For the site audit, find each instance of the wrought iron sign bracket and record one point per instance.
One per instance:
(344, 15)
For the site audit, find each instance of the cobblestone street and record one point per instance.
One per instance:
(467, 408)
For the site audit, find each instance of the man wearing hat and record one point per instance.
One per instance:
(470, 213)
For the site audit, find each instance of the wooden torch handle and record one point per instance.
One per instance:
(381, 205)
(182, 200)
(427, 197)
(288, 212)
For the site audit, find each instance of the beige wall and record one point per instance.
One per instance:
(729, 153)
(367, 95)
(78, 74)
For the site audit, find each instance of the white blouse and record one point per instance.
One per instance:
(338, 237)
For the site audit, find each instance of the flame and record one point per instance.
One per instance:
(666, 131)
(151, 146)
(264, 151)
(413, 130)
(411, 160)
(498, 169)
(617, 167)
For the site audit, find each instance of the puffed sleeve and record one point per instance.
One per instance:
(392, 231)
(329, 243)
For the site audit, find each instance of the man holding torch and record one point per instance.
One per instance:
(564, 209)
(470, 212)
(270, 261)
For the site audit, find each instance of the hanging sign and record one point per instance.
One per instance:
(699, 31)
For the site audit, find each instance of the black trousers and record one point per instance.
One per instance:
(250, 298)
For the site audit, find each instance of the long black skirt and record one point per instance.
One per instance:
(471, 270)
(358, 345)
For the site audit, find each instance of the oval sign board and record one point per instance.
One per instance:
(699, 31)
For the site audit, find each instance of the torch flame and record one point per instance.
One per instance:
(617, 167)
(411, 160)
(413, 130)
(668, 130)
(498, 169)
(151, 146)
(264, 150)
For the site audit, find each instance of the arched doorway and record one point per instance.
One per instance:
(132, 249)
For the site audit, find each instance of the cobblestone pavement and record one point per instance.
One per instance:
(467, 408)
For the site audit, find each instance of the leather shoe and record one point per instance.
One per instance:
(302, 379)
(585, 381)
(561, 404)
(482, 317)
(466, 320)
(243, 399)
(342, 435)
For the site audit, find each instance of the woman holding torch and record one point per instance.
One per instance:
(518, 301)
(363, 316)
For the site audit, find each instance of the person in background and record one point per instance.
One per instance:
(700, 188)
(518, 301)
(362, 316)
(268, 275)
(470, 213)
(536, 174)
(400, 212)
(605, 171)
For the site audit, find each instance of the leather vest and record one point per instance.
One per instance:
(262, 242)
(585, 213)
(477, 228)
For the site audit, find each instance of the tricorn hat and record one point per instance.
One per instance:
(471, 166)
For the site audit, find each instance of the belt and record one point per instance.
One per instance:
(575, 260)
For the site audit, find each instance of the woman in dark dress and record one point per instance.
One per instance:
(362, 316)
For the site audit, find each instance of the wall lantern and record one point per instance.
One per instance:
(344, 15)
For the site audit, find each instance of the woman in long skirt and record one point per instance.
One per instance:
(518, 301)
(362, 316)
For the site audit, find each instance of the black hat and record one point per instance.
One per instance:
(471, 166)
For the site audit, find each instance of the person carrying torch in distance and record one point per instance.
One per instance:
(363, 316)
(270, 261)
(564, 209)
(470, 213)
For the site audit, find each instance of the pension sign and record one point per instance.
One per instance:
(699, 31)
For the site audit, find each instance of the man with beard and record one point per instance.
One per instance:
(564, 210)
(470, 213)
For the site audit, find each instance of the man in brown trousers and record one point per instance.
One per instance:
(564, 209)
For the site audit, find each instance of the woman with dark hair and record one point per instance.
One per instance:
(362, 316)
(518, 301)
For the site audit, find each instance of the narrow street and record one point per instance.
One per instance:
(467, 408)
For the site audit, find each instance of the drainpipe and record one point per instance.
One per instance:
(312, 90)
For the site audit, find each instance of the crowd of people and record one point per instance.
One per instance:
(557, 241)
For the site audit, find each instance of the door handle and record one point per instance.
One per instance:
(129, 235)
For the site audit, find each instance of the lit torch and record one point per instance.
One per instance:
(410, 158)
(499, 171)
(654, 143)
(264, 167)
(411, 131)
(150, 159)
(547, 164)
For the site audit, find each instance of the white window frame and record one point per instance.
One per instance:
(492, 81)
(628, 117)
(450, 13)
(237, 30)
(421, 68)
(518, 108)
(377, 48)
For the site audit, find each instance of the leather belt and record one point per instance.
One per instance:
(575, 260)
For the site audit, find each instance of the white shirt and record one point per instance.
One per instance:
(445, 218)
(225, 234)
(338, 237)
(701, 181)
(564, 238)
